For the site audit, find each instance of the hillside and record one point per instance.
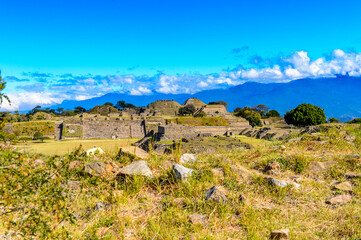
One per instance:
(244, 188)
(338, 96)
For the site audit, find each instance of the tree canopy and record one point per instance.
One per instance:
(305, 114)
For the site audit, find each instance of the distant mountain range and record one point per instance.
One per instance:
(339, 96)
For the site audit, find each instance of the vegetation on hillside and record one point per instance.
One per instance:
(53, 197)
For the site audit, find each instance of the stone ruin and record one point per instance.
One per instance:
(110, 128)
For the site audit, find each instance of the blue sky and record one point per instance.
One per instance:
(62, 49)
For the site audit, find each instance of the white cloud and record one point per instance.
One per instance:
(28, 100)
(295, 66)
(140, 91)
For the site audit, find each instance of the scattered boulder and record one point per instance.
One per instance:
(340, 199)
(101, 168)
(321, 166)
(272, 168)
(216, 195)
(137, 168)
(188, 158)
(281, 183)
(182, 173)
(280, 234)
(94, 151)
(344, 186)
(198, 219)
(133, 152)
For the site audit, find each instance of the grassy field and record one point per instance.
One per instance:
(161, 207)
(52, 147)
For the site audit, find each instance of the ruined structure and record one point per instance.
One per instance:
(117, 128)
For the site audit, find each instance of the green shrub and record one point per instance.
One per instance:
(333, 120)
(254, 118)
(305, 114)
(272, 113)
(38, 136)
(356, 120)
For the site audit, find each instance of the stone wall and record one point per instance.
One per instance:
(110, 128)
(172, 132)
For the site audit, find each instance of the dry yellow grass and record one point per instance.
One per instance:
(51, 147)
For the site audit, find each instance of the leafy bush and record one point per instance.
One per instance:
(333, 120)
(254, 121)
(305, 114)
(38, 136)
(356, 120)
(272, 113)
(254, 118)
(188, 109)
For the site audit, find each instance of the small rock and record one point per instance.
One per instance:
(218, 172)
(350, 138)
(272, 168)
(216, 195)
(345, 186)
(353, 175)
(38, 162)
(188, 158)
(280, 234)
(101, 206)
(198, 219)
(340, 199)
(101, 168)
(281, 183)
(182, 173)
(321, 166)
(94, 151)
(137, 168)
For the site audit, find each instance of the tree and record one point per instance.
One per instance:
(35, 110)
(273, 113)
(305, 114)
(254, 118)
(333, 120)
(122, 104)
(261, 109)
(38, 136)
(108, 104)
(60, 110)
(79, 109)
(188, 109)
(2, 95)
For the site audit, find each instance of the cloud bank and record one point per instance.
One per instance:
(46, 89)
